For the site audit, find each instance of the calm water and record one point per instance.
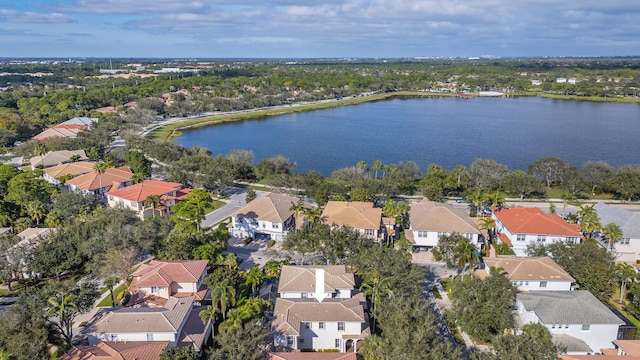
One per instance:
(447, 131)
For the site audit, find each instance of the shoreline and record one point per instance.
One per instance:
(171, 129)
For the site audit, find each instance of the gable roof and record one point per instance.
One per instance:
(433, 216)
(94, 181)
(629, 221)
(111, 350)
(355, 214)
(289, 313)
(567, 307)
(31, 233)
(140, 191)
(272, 207)
(163, 273)
(541, 268)
(80, 120)
(303, 278)
(535, 221)
(57, 157)
(74, 168)
(54, 132)
(167, 318)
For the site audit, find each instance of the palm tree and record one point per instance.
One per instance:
(588, 219)
(362, 166)
(613, 232)
(254, 278)
(297, 209)
(110, 282)
(40, 149)
(208, 314)
(137, 178)
(223, 294)
(100, 168)
(152, 201)
(477, 198)
(487, 223)
(464, 254)
(376, 287)
(496, 199)
(35, 210)
(65, 309)
(627, 274)
(313, 214)
(64, 178)
(376, 165)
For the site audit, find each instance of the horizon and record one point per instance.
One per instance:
(289, 29)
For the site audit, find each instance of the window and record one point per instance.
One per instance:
(264, 225)
(553, 326)
(275, 225)
(304, 295)
(301, 340)
(542, 238)
(440, 234)
(572, 240)
(369, 232)
(340, 326)
(307, 324)
(543, 284)
(624, 241)
(520, 237)
(422, 234)
(149, 336)
(321, 325)
(469, 236)
(154, 289)
(566, 326)
(586, 327)
(526, 283)
(290, 340)
(338, 343)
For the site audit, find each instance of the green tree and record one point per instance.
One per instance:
(100, 168)
(589, 220)
(208, 314)
(152, 201)
(192, 209)
(376, 166)
(443, 251)
(377, 288)
(251, 195)
(626, 182)
(464, 255)
(255, 276)
(613, 233)
(65, 309)
(551, 170)
(397, 210)
(626, 274)
(487, 223)
(36, 210)
(138, 163)
(178, 353)
(247, 342)
(110, 282)
(359, 194)
(522, 185)
(533, 344)
(223, 294)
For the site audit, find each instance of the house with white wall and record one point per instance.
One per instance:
(359, 215)
(53, 174)
(327, 315)
(265, 217)
(54, 158)
(519, 227)
(133, 197)
(428, 220)
(93, 183)
(576, 319)
(164, 279)
(536, 273)
(626, 249)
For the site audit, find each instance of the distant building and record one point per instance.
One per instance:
(359, 215)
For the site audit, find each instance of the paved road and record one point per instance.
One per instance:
(236, 200)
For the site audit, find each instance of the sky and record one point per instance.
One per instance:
(318, 28)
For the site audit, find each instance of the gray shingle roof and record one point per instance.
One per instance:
(629, 221)
(567, 307)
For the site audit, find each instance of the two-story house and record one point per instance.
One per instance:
(359, 215)
(133, 197)
(266, 217)
(536, 273)
(576, 319)
(519, 227)
(163, 279)
(54, 158)
(19, 254)
(319, 310)
(626, 249)
(93, 183)
(428, 220)
(74, 169)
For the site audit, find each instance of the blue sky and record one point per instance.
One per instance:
(318, 28)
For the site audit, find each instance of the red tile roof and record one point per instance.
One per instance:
(504, 238)
(140, 191)
(112, 177)
(164, 273)
(535, 221)
(110, 350)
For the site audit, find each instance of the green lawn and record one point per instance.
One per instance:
(117, 294)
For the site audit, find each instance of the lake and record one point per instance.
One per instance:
(448, 131)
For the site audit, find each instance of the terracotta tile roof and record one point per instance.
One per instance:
(110, 350)
(355, 214)
(74, 168)
(140, 191)
(504, 238)
(631, 347)
(289, 313)
(312, 356)
(112, 177)
(272, 207)
(71, 127)
(57, 157)
(433, 216)
(529, 268)
(57, 132)
(164, 273)
(302, 278)
(535, 221)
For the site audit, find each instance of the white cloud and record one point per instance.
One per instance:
(34, 18)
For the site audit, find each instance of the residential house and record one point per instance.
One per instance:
(322, 317)
(312, 356)
(576, 319)
(561, 80)
(626, 249)
(299, 281)
(113, 350)
(629, 349)
(267, 217)
(18, 255)
(93, 183)
(530, 273)
(164, 279)
(133, 197)
(519, 227)
(54, 158)
(74, 169)
(359, 215)
(68, 129)
(428, 220)
(176, 320)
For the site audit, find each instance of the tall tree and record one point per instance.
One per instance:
(377, 288)
(152, 201)
(223, 294)
(254, 278)
(613, 233)
(464, 255)
(376, 166)
(589, 220)
(110, 282)
(522, 185)
(626, 274)
(100, 168)
(193, 208)
(550, 169)
(65, 309)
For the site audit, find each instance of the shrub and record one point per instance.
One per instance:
(248, 240)
(271, 243)
(125, 298)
